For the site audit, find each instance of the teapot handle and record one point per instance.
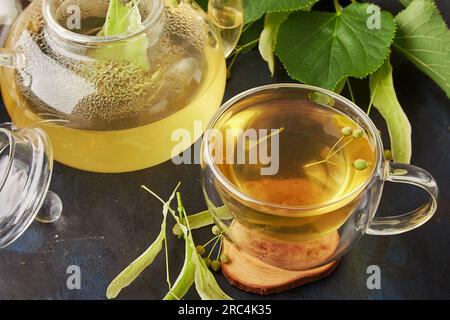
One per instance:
(228, 16)
(7, 58)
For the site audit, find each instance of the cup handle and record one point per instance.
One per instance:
(409, 174)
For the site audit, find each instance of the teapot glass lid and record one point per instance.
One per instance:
(26, 163)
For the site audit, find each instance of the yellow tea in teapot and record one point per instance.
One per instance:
(102, 111)
(323, 156)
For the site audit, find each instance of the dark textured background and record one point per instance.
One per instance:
(108, 220)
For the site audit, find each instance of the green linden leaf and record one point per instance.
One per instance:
(130, 273)
(186, 278)
(385, 100)
(203, 4)
(321, 48)
(195, 269)
(202, 219)
(406, 2)
(117, 21)
(205, 283)
(272, 22)
(423, 37)
(255, 9)
(125, 18)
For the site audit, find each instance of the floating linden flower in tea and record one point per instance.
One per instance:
(360, 164)
(347, 131)
(321, 98)
(356, 134)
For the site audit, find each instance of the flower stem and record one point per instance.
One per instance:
(167, 264)
(270, 135)
(337, 6)
(220, 249)
(335, 145)
(247, 26)
(240, 48)
(350, 90)
(315, 163)
(343, 146)
(215, 243)
(233, 60)
(238, 51)
(211, 240)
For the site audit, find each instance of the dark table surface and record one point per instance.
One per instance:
(108, 221)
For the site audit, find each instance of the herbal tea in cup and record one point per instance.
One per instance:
(293, 175)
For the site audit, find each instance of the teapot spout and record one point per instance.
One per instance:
(228, 16)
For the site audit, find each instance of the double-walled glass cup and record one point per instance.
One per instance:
(304, 237)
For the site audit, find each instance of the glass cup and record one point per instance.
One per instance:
(299, 238)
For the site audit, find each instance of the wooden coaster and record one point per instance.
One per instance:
(253, 275)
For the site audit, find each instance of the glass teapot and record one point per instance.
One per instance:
(111, 102)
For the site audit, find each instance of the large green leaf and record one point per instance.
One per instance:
(385, 100)
(321, 48)
(255, 9)
(423, 37)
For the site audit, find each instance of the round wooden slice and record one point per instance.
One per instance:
(251, 274)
